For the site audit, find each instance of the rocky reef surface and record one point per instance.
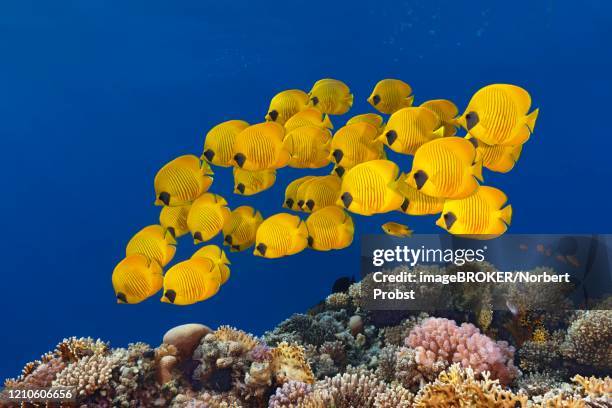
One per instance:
(339, 355)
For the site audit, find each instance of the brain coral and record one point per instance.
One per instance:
(438, 339)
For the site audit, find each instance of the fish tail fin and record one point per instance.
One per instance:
(349, 99)
(327, 121)
(409, 100)
(506, 214)
(477, 169)
(530, 119)
(439, 132)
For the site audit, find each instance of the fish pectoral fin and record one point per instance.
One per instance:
(439, 132)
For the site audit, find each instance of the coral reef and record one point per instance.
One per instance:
(340, 355)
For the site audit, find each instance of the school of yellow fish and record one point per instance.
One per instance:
(445, 179)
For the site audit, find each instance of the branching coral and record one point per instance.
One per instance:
(291, 394)
(458, 387)
(88, 374)
(338, 301)
(437, 339)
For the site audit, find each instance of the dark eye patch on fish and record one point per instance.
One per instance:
(240, 159)
(340, 171)
(449, 219)
(391, 136)
(405, 205)
(289, 203)
(338, 155)
(376, 99)
(471, 120)
(122, 297)
(240, 187)
(209, 154)
(273, 115)
(228, 239)
(197, 236)
(420, 177)
(310, 204)
(170, 295)
(164, 198)
(261, 248)
(347, 199)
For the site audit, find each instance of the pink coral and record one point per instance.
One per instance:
(437, 339)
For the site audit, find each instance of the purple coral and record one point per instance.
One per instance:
(437, 339)
(261, 353)
(290, 394)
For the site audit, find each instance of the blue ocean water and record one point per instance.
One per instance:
(95, 96)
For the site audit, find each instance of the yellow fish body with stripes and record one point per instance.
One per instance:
(260, 147)
(181, 181)
(447, 112)
(191, 281)
(498, 115)
(481, 215)
(356, 143)
(417, 203)
(174, 220)
(498, 158)
(371, 118)
(239, 232)
(281, 235)
(308, 147)
(218, 258)
(391, 95)
(318, 192)
(291, 192)
(252, 182)
(397, 230)
(285, 104)
(154, 243)
(136, 278)
(331, 96)
(410, 128)
(207, 216)
(371, 188)
(446, 168)
(219, 142)
(308, 117)
(330, 228)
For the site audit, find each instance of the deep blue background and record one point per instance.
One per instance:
(95, 96)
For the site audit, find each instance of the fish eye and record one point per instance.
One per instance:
(300, 203)
(310, 204)
(197, 236)
(289, 203)
(261, 248)
(170, 295)
(228, 239)
(240, 159)
(121, 297)
(209, 154)
(164, 197)
(391, 136)
(273, 115)
(310, 241)
(240, 187)
(347, 199)
(376, 99)
(172, 231)
(315, 100)
(337, 155)
(339, 171)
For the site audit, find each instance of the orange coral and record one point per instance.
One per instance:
(228, 333)
(289, 363)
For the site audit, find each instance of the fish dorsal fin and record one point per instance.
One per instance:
(493, 196)
(520, 96)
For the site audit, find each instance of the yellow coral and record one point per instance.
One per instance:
(457, 387)
(228, 333)
(594, 387)
(289, 363)
(540, 335)
(485, 317)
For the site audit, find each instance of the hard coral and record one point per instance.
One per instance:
(88, 374)
(588, 339)
(459, 387)
(438, 339)
(289, 363)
